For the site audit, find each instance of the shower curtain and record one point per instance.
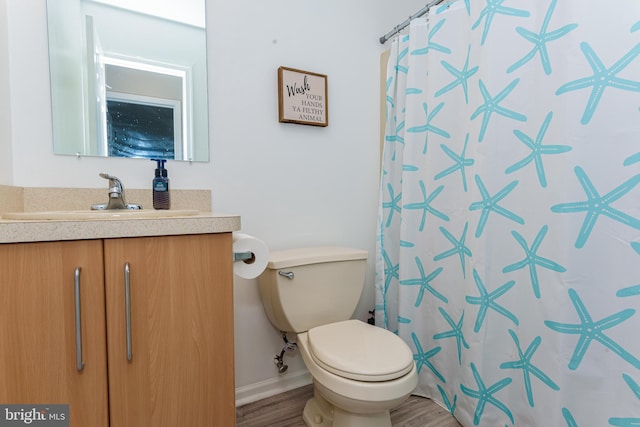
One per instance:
(508, 248)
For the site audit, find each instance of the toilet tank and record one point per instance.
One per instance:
(307, 287)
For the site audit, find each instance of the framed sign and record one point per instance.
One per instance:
(302, 97)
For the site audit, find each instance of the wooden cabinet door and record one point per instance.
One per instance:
(38, 328)
(181, 371)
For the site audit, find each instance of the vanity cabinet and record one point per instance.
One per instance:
(159, 355)
(37, 328)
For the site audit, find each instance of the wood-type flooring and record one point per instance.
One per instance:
(285, 410)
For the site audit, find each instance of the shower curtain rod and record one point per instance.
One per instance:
(402, 26)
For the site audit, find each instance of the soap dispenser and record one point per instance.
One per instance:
(161, 199)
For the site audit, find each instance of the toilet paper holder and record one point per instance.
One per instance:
(247, 257)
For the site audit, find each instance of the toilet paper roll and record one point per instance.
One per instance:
(254, 267)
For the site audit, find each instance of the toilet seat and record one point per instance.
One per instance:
(356, 350)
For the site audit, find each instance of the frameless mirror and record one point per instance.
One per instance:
(129, 78)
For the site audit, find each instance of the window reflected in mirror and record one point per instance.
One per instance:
(129, 83)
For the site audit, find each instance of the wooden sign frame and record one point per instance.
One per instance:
(302, 97)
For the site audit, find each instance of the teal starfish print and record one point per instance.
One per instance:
(445, 5)
(389, 98)
(597, 205)
(493, 8)
(406, 244)
(461, 76)
(422, 358)
(624, 422)
(635, 27)
(425, 283)
(527, 367)
(428, 127)
(532, 259)
(383, 308)
(402, 68)
(455, 332)
(537, 150)
(632, 159)
(631, 291)
(460, 163)
(467, 4)
(486, 301)
(590, 331)
(409, 168)
(485, 394)
(540, 41)
(628, 422)
(397, 136)
(635, 388)
(425, 205)
(403, 320)
(431, 44)
(636, 247)
(571, 422)
(450, 406)
(458, 248)
(490, 204)
(393, 205)
(391, 272)
(602, 78)
(492, 105)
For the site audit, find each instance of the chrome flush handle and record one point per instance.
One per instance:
(288, 274)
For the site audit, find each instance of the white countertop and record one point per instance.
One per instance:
(15, 231)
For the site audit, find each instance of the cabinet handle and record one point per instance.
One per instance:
(127, 308)
(76, 280)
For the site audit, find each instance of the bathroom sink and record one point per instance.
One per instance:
(98, 214)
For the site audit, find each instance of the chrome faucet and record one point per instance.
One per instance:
(116, 195)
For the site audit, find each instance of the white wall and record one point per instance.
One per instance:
(6, 163)
(293, 185)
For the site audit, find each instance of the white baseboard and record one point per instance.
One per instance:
(253, 392)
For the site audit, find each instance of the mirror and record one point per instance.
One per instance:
(129, 78)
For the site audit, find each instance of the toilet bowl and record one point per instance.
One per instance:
(358, 377)
(359, 371)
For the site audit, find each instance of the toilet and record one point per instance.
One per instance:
(359, 371)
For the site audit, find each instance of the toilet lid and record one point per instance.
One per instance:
(359, 351)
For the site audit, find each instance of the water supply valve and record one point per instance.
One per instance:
(278, 359)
